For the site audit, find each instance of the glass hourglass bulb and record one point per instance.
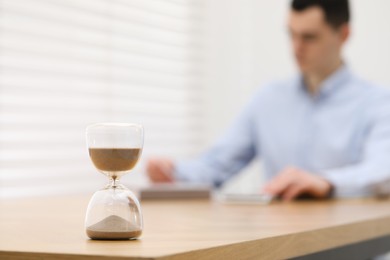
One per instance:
(114, 212)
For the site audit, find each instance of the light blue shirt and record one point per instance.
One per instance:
(341, 134)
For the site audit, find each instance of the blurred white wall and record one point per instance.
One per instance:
(368, 50)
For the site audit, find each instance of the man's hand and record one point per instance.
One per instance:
(292, 182)
(160, 170)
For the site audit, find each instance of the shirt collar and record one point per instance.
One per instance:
(332, 83)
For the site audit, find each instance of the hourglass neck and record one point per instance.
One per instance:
(114, 183)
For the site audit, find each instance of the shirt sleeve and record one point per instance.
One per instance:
(231, 152)
(370, 176)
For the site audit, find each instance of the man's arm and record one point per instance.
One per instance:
(231, 152)
(371, 175)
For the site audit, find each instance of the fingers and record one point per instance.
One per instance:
(293, 191)
(281, 182)
(160, 170)
(292, 182)
(321, 188)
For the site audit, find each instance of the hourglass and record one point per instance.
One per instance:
(114, 212)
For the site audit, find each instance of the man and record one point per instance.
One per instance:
(325, 132)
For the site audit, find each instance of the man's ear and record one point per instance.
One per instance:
(344, 31)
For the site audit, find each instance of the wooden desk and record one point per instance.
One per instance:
(53, 229)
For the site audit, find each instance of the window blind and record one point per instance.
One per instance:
(65, 64)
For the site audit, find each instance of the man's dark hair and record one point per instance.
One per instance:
(336, 11)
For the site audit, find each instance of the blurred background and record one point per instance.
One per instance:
(182, 68)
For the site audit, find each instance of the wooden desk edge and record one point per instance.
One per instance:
(293, 245)
(14, 255)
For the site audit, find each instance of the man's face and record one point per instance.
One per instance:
(315, 43)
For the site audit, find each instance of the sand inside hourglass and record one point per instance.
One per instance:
(113, 227)
(114, 161)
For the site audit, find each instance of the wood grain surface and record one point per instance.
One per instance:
(53, 228)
